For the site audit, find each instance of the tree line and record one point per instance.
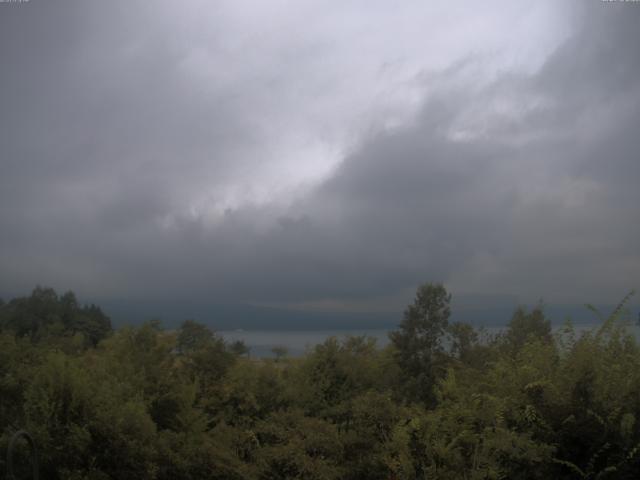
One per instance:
(442, 400)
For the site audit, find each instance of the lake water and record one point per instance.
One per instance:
(298, 342)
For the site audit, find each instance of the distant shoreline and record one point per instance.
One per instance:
(297, 342)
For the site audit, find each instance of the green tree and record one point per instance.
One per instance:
(295, 446)
(464, 340)
(528, 326)
(193, 336)
(239, 348)
(43, 314)
(418, 341)
(335, 372)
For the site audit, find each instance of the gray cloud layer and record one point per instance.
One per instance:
(137, 163)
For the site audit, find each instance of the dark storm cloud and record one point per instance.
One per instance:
(109, 111)
(114, 151)
(538, 197)
(102, 132)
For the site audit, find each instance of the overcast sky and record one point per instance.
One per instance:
(320, 153)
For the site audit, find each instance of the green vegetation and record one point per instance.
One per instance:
(147, 403)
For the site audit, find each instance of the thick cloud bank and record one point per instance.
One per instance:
(295, 154)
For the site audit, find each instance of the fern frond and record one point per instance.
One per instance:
(596, 456)
(611, 319)
(571, 466)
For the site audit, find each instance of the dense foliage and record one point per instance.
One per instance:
(441, 401)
